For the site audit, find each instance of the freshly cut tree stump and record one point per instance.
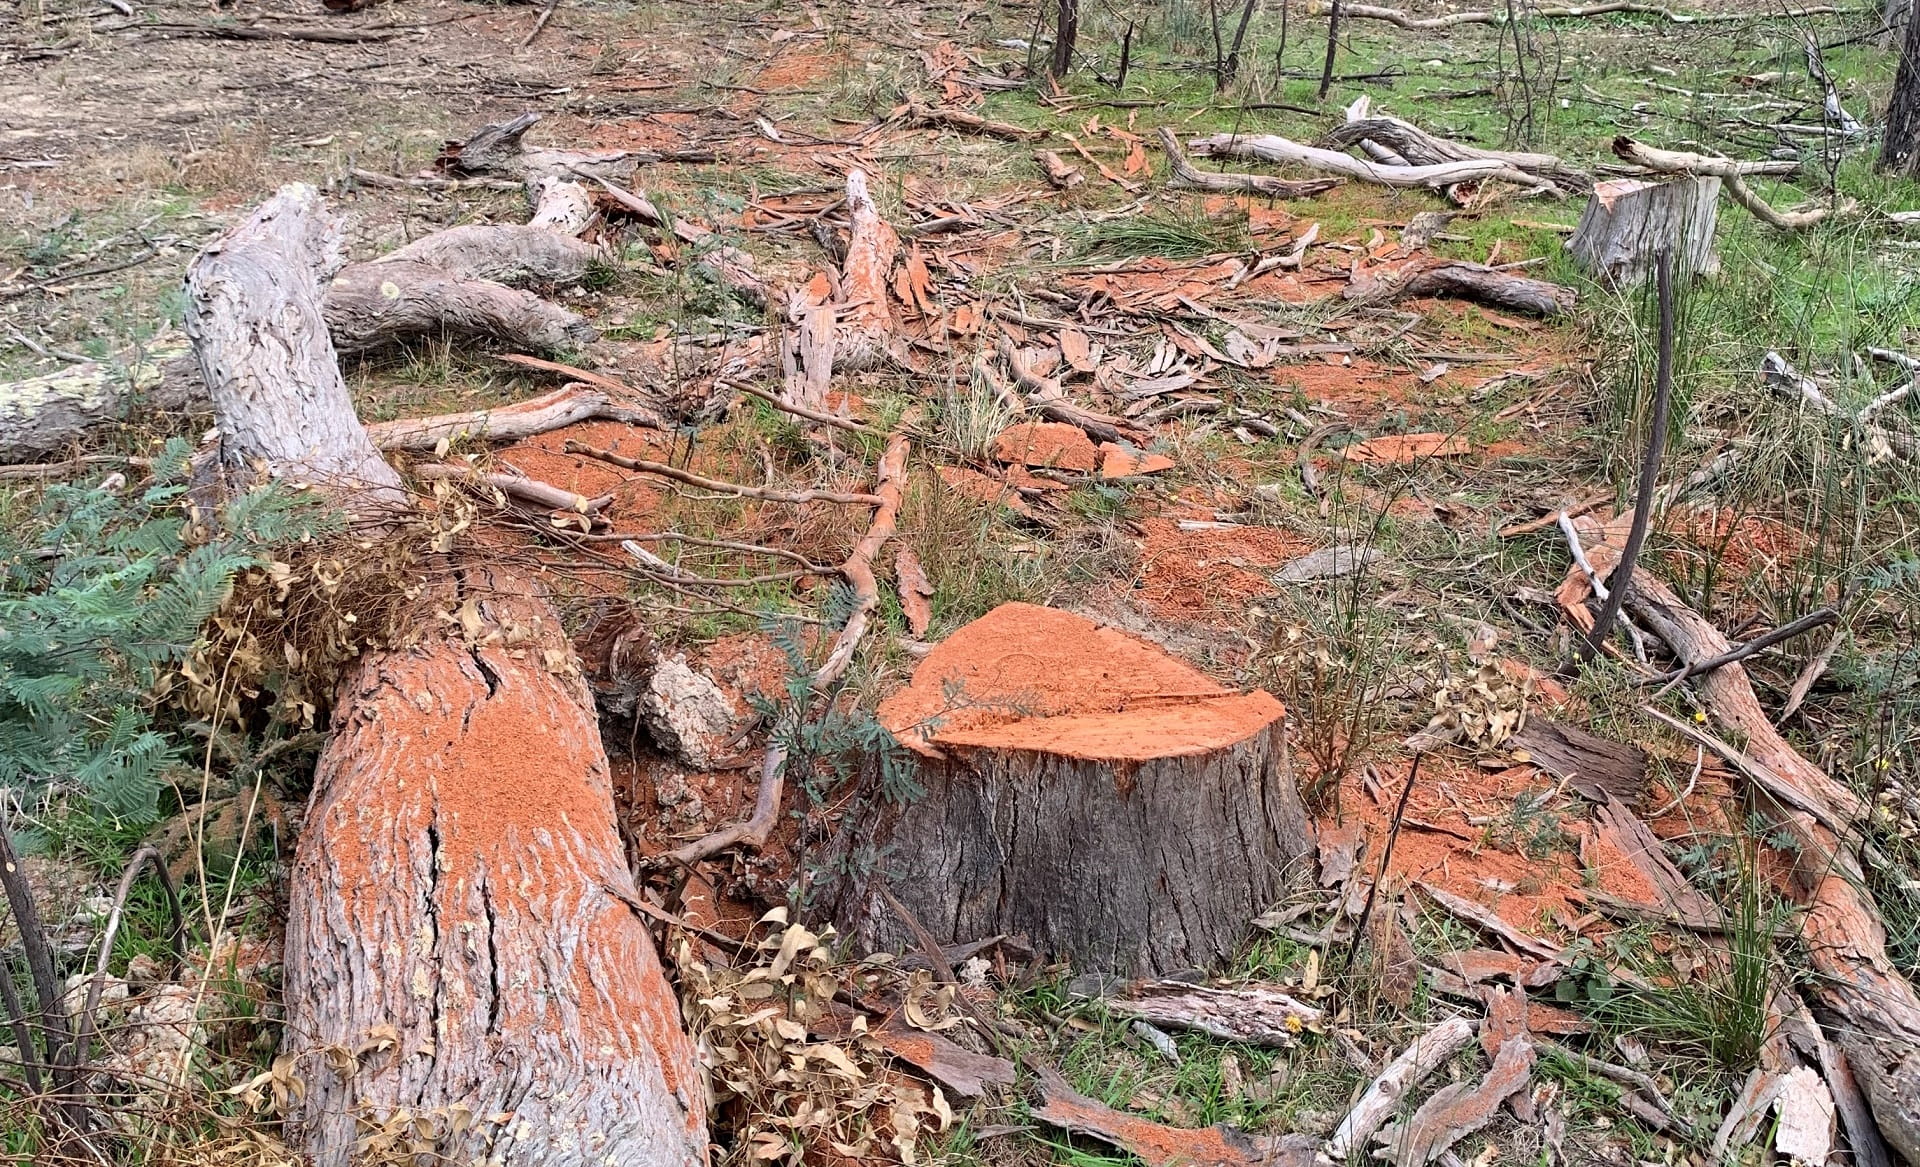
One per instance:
(1629, 221)
(1117, 807)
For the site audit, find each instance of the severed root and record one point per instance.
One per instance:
(970, 123)
(856, 326)
(1186, 174)
(890, 480)
(372, 305)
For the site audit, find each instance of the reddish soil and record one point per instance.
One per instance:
(1051, 444)
(1359, 388)
(1537, 893)
(1027, 677)
(1208, 574)
(1401, 448)
(1745, 545)
(635, 497)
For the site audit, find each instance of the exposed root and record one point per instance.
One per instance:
(765, 494)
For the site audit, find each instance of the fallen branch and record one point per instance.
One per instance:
(1186, 175)
(540, 494)
(763, 493)
(1412, 146)
(1245, 1013)
(1733, 175)
(889, 486)
(1273, 148)
(850, 424)
(569, 405)
(1384, 1096)
(971, 123)
(1869, 1007)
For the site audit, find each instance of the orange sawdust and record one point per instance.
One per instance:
(635, 497)
(1462, 835)
(1050, 444)
(1361, 389)
(1745, 545)
(1195, 575)
(1026, 677)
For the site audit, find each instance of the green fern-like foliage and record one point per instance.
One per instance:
(102, 594)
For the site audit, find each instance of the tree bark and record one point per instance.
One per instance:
(468, 974)
(1900, 142)
(1627, 222)
(461, 891)
(1084, 789)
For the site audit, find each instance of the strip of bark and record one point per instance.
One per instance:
(1384, 1095)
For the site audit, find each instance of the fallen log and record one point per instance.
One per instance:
(1871, 1010)
(568, 405)
(45, 415)
(461, 918)
(1117, 807)
(1628, 222)
(1188, 176)
(1470, 281)
(1273, 148)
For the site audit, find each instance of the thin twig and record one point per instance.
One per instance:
(1807, 623)
(1386, 857)
(766, 494)
(1649, 465)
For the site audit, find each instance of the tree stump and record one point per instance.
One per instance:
(1120, 809)
(1628, 221)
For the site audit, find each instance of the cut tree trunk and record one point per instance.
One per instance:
(461, 888)
(1115, 806)
(462, 926)
(1628, 222)
(452, 282)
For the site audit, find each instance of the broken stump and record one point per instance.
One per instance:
(1628, 222)
(1117, 807)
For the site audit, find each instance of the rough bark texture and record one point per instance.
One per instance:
(371, 305)
(1085, 790)
(1628, 222)
(1273, 148)
(466, 961)
(1900, 142)
(45, 415)
(460, 888)
(254, 317)
(1467, 281)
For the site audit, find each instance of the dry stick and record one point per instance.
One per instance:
(546, 14)
(889, 485)
(33, 942)
(143, 858)
(22, 1031)
(1766, 640)
(532, 490)
(1309, 477)
(1553, 517)
(1386, 857)
(850, 424)
(765, 494)
(1803, 684)
(971, 123)
(1186, 174)
(1649, 465)
(1333, 45)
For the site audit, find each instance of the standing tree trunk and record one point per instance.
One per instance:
(1082, 788)
(1066, 30)
(1900, 142)
(468, 976)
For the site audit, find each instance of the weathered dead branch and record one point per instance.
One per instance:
(1404, 20)
(1273, 148)
(1187, 175)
